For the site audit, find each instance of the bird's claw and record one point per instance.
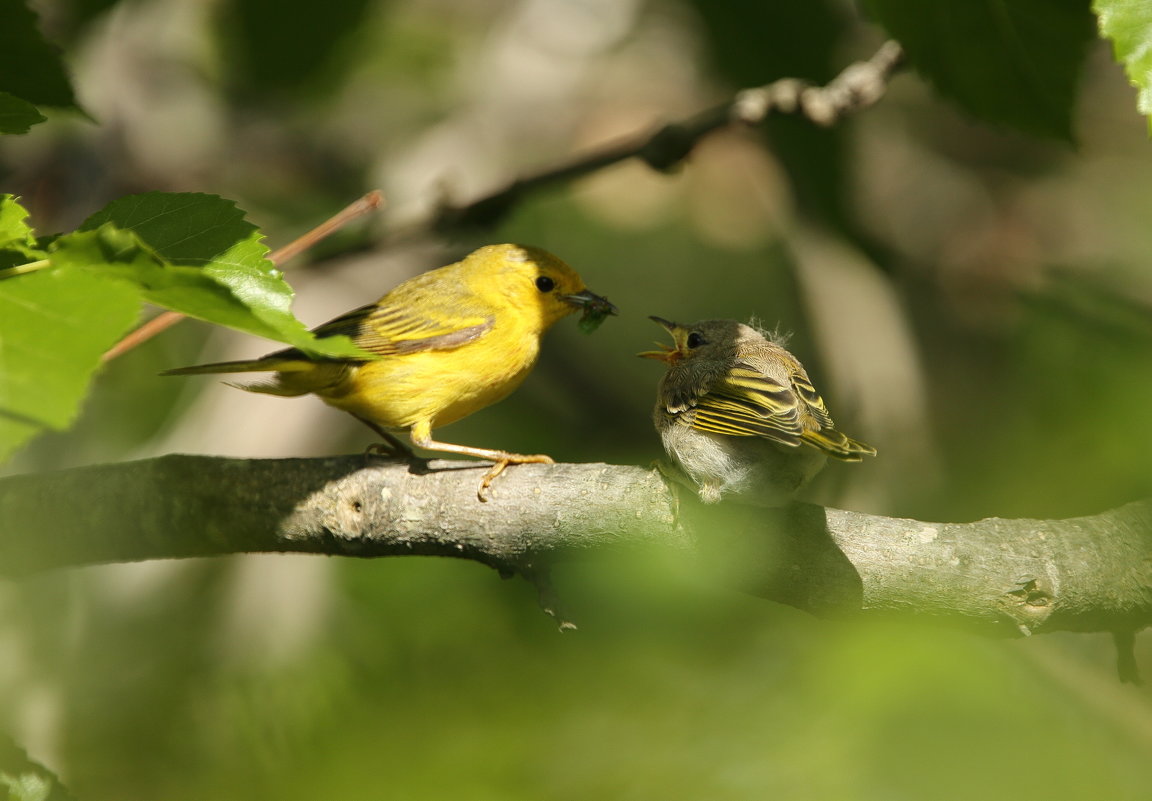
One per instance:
(500, 465)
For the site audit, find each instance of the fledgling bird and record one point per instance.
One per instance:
(738, 414)
(448, 342)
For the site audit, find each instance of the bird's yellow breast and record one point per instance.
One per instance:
(436, 386)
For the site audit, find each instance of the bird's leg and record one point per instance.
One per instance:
(422, 437)
(390, 446)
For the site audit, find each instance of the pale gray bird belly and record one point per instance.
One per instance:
(757, 470)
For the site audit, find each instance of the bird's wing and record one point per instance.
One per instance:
(396, 328)
(745, 402)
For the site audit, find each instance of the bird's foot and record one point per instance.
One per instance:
(390, 450)
(502, 462)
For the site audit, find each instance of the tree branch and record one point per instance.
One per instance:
(857, 87)
(1003, 576)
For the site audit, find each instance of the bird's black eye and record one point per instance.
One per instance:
(545, 284)
(695, 340)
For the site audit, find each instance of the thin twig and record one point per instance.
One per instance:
(165, 320)
(161, 322)
(370, 202)
(857, 87)
(24, 269)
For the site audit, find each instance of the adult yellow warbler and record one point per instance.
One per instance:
(448, 342)
(737, 413)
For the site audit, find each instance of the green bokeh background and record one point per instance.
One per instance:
(1016, 268)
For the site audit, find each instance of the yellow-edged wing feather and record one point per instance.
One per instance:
(389, 330)
(432, 311)
(747, 403)
(388, 327)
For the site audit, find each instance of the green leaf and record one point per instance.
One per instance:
(13, 229)
(17, 243)
(288, 52)
(1128, 23)
(26, 786)
(25, 779)
(30, 67)
(216, 267)
(192, 253)
(16, 115)
(54, 327)
(1012, 62)
(121, 254)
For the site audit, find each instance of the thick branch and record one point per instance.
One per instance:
(1083, 574)
(179, 506)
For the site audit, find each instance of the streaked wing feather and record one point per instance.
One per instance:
(394, 330)
(743, 425)
(812, 400)
(833, 443)
(747, 403)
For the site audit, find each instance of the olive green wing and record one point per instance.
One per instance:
(395, 328)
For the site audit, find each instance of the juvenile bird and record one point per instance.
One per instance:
(738, 413)
(448, 342)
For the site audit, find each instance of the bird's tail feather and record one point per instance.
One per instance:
(270, 388)
(836, 444)
(253, 366)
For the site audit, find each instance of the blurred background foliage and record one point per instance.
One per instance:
(973, 301)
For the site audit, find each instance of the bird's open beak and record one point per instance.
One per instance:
(595, 307)
(667, 353)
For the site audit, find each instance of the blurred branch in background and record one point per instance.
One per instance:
(913, 250)
(1005, 577)
(857, 87)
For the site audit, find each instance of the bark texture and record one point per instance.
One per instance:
(1004, 576)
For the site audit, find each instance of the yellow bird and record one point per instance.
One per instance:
(448, 342)
(738, 413)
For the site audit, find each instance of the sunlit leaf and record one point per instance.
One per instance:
(216, 268)
(26, 786)
(23, 779)
(16, 237)
(1128, 23)
(54, 327)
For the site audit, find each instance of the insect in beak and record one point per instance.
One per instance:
(596, 309)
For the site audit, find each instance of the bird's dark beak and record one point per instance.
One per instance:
(667, 353)
(596, 308)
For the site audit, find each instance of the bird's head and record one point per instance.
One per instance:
(708, 339)
(539, 284)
